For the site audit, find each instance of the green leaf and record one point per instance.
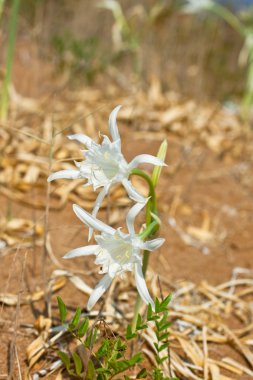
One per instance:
(119, 348)
(151, 316)
(75, 320)
(166, 301)
(78, 363)
(123, 365)
(163, 346)
(65, 359)
(157, 305)
(157, 169)
(163, 336)
(82, 329)
(163, 358)
(149, 313)
(91, 373)
(139, 324)
(158, 360)
(91, 338)
(102, 371)
(129, 333)
(157, 374)
(104, 349)
(62, 309)
(143, 373)
(94, 336)
(164, 326)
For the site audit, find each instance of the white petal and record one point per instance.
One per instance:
(145, 159)
(97, 205)
(131, 215)
(113, 124)
(92, 222)
(83, 139)
(151, 245)
(68, 174)
(99, 290)
(141, 286)
(113, 269)
(82, 251)
(133, 194)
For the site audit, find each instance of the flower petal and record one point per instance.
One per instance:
(99, 290)
(131, 215)
(97, 205)
(83, 139)
(142, 286)
(113, 124)
(92, 222)
(151, 245)
(68, 174)
(145, 159)
(133, 194)
(82, 251)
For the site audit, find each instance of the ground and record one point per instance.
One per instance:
(205, 206)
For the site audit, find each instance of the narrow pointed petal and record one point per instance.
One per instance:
(64, 174)
(142, 286)
(98, 203)
(133, 194)
(113, 124)
(151, 245)
(131, 215)
(145, 159)
(99, 290)
(92, 222)
(82, 251)
(83, 139)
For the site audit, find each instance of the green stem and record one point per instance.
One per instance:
(229, 17)
(151, 205)
(151, 227)
(149, 230)
(10, 53)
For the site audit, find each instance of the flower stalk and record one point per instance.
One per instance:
(152, 226)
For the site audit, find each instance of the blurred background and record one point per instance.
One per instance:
(197, 54)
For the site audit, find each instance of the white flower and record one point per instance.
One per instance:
(194, 6)
(116, 252)
(105, 165)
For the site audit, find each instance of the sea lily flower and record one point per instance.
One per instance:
(105, 164)
(116, 252)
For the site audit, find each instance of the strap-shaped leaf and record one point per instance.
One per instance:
(142, 374)
(78, 363)
(82, 329)
(65, 359)
(73, 324)
(62, 309)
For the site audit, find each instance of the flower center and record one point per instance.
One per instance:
(115, 249)
(108, 165)
(120, 251)
(104, 163)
